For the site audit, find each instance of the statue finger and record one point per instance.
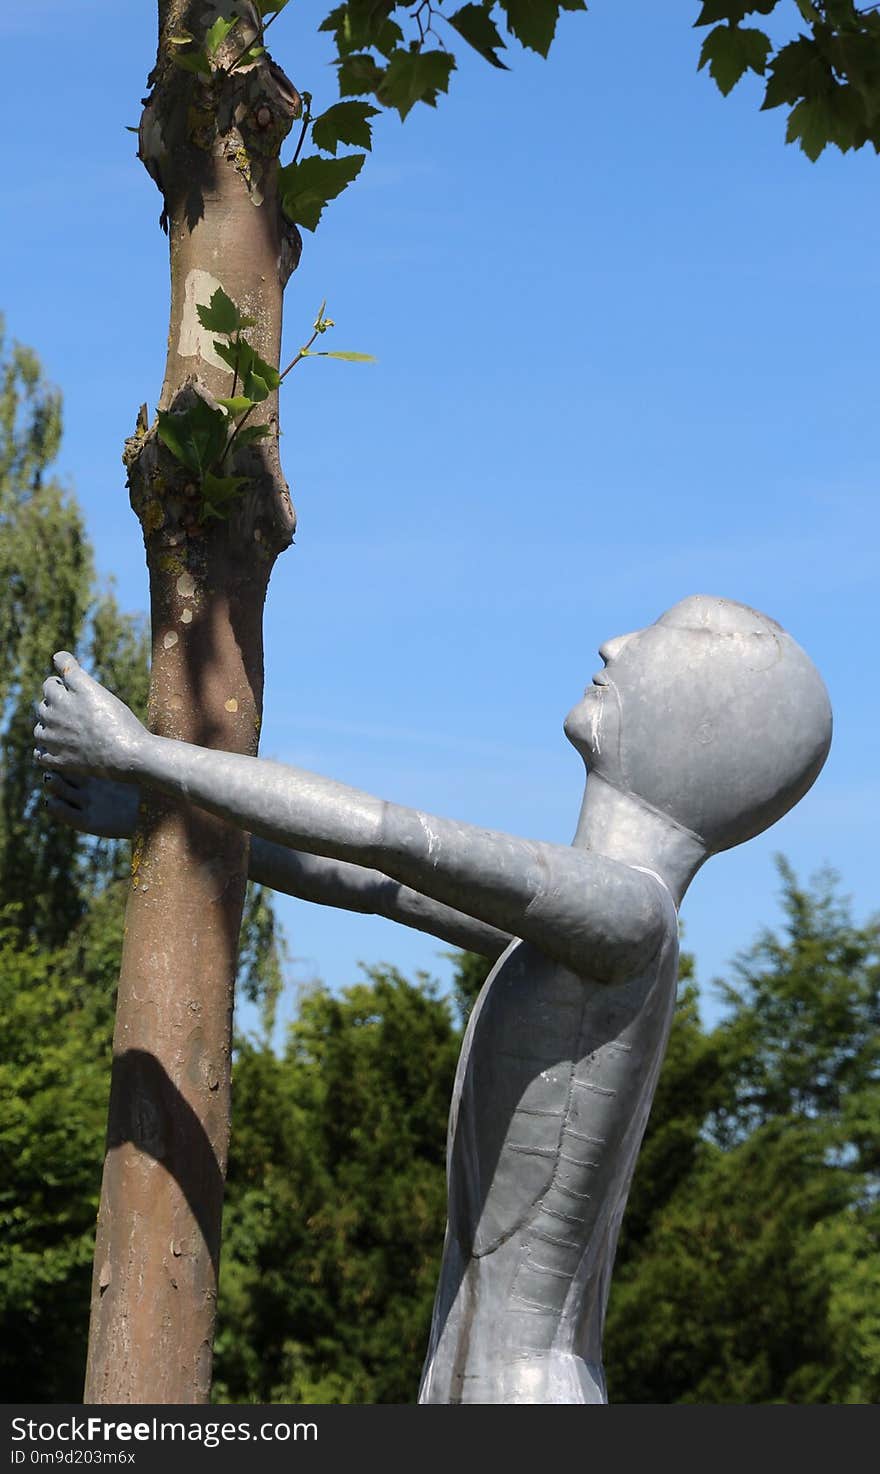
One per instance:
(67, 667)
(62, 788)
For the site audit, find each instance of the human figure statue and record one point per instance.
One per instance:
(701, 731)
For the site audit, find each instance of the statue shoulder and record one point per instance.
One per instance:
(627, 918)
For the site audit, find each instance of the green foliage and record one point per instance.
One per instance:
(201, 434)
(336, 1199)
(475, 24)
(396, 53)
(45, 585)
(62, 898)
(471, 972)
(55, 1032)
(258, 378)
(218, 493)
(60, 914)
(251, 433)
(748, 1264)
(739, 1267)
(193, 61)
(534, 24)
(803, 1022)
(344, 354)
(415, 76)
(730, 51)
(196, 436)
(828, 75)
(307, 185)
(345, 122)
(222, 316)
(217, 34)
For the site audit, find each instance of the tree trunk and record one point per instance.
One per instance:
(212, 144)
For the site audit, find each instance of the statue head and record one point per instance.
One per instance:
(714, 716)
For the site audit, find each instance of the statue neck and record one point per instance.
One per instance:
(625, 828)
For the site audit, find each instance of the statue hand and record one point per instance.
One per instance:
(96, 806)
(82, 728)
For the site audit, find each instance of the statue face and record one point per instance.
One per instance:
(713, 715)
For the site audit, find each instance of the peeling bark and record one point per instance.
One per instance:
(212, 146)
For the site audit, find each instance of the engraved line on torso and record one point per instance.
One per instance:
(559, 1274)
(596, 1089)
(531, 1151)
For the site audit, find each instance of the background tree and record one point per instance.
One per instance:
(746, 1274)
(61, 909)
(748, 1263)
(62, 899)
(336, 1198)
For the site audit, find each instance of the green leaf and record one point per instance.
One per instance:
(217, 33)
(850, 122)
(193, 61)
(345, 122)
(196, 436)
(270, 7)
(307, 186)
(731, 50)
(219, 492)
(811, 124)
(266, 372)
(344, 355)
(239, 405)
(533, 22)
(474, 23)
(732, 11)
(183, 39)
(221, 316)
(361, 24)
(255, 387)
(235, 354)
(221, 486)
(249, 434)
(255, 373)
(797, 70)
(335, 21)
(415, 76)
(388, 38)
(358, 74)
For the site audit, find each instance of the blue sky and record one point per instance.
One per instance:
(627, 352)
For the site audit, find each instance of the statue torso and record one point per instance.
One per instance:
(553, 1091)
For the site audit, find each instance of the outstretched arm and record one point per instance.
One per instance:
(109, 809)
(581, 909)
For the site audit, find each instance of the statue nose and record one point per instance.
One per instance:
(612, 648)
